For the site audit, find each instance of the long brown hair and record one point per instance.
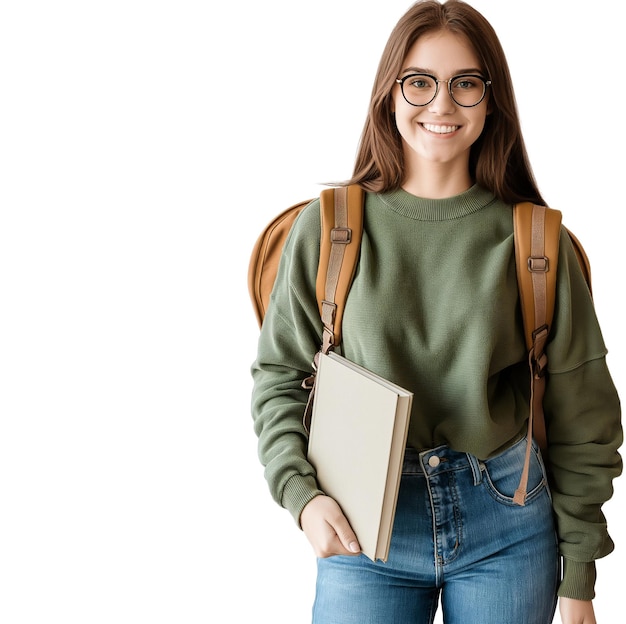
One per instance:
(498, 159)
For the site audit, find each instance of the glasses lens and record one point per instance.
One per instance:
(467, 90)
(419, 89)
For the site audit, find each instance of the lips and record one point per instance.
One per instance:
(439, 129)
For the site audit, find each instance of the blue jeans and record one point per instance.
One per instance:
(457, 533)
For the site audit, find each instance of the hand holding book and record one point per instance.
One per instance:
(327, 529)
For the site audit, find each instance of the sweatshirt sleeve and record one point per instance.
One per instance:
(289, 339)
(583, 419)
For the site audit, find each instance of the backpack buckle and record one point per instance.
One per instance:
(342, 235)
(539, 359)
(538, 264)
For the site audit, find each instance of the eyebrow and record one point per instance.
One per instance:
(425, 70)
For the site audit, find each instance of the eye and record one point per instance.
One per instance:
(464, 83)
(420, 82)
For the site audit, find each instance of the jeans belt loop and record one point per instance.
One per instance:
(475, 465)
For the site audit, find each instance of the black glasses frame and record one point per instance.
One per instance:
(485, 82)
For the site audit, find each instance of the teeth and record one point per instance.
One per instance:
(440, 129)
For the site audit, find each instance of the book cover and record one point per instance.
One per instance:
(358, 435)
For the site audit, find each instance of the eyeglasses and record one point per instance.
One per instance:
(465, 90)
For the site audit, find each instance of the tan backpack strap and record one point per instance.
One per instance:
(536, 231)
(341, 212)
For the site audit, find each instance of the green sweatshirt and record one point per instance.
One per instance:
(434, 307)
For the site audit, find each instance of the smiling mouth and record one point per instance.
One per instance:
(437, 129)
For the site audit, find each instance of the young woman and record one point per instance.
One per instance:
(435, 308)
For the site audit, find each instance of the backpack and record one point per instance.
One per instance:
(536, 235)
(341, 214)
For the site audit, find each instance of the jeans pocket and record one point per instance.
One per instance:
(502, 473)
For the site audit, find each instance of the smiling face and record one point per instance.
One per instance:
(440, 134)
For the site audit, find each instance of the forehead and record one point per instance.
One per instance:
(442, 52)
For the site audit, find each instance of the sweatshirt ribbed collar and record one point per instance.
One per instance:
(424, 209)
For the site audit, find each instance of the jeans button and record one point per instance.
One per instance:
(434, 461)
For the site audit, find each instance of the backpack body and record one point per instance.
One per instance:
(265, 258)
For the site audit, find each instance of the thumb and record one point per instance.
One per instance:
(346, 535)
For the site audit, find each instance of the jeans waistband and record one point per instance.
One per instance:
(443, 459)
(439, 460)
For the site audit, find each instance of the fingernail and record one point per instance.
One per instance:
(354, 547)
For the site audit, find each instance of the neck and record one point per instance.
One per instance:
(437, 180)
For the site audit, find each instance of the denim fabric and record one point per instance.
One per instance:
(458, 538)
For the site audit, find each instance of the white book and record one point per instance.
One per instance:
(358, 433)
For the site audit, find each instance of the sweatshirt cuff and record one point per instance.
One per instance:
(298, 491)
(579, 580)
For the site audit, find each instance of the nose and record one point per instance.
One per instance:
(443, 104)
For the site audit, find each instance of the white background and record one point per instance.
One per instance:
(143, 145)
